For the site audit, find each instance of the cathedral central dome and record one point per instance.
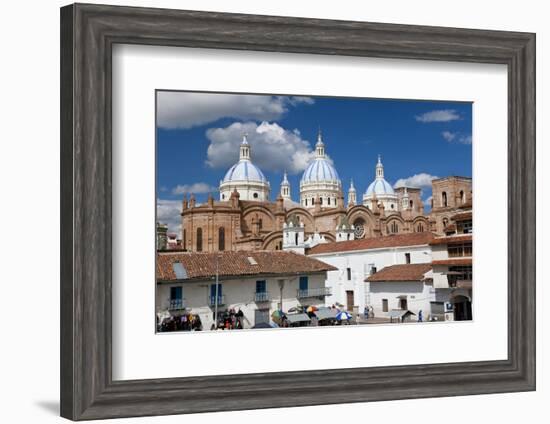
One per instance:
(320, 170)
(320, 181)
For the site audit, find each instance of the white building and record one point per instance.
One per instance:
(246, 178)
(358, 259)
(402, 292)
(256, 282)
(452, 269)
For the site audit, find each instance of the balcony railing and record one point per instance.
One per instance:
(174, 304)
(261, 297)
(212, 300)
(317, 292)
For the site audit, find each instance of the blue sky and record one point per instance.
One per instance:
(198, 135)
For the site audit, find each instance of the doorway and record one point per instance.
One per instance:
(462, 308)
(349, 300)
(261, 316)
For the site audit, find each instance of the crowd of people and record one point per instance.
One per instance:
(183, 322)
(230, 319)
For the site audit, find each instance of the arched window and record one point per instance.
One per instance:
(393, 228)
(321, 201)
(411, 204)
(445, 222)
(444, 199)
(419, 228)
(199, 239)
(305, 202)
(184, 239)
(462, 197)
(391, 206)
(296, 239)
(221, 238)
(328, 200)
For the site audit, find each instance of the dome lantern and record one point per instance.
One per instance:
(245, 148)
(320, 146)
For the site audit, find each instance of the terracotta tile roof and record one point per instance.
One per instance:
(405, 272)
(203, 265)
(453, 261)
(410, 239)
(462, 216)
(457, 238)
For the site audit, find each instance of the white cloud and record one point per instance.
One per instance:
(428, 201)
(465, 139)
(457, 137)
(196, 188)
(273, 148)
(449, 136)
(444, 115)
(185, 110)
(168, 212)
(422, 180)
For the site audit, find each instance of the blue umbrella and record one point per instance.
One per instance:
(343, 316)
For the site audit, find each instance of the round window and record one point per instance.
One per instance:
(359, 226)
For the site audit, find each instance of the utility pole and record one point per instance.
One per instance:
(216, 296)
(281, 286)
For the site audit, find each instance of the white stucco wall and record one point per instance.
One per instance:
(418, 295)
(361, 263)
(239, 293)
(246, 190)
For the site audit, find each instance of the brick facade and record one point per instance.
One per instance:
(249, 225)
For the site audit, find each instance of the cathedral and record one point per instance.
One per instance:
(244, 217)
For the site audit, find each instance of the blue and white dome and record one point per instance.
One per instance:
(379, 187)
(244, 171)
(380, 190)
(320, 184)
(320, 170)
(245, 178)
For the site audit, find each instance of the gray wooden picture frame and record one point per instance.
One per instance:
(88, 33)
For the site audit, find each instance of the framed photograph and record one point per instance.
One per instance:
(265, 212)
